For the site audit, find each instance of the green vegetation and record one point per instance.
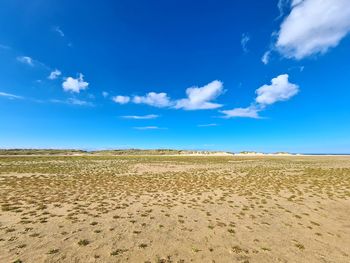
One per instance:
(234, 208)
(99, 152)
(83, 242)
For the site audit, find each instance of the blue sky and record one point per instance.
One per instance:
(218, 75)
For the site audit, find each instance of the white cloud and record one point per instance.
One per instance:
(55, 74)
(142, 117)
(10, 96)
(244, 41)
(266, 57)
(75, 84)
(159, 100)
(59, 31)
(249, 112)
(73, 101)
(281, 7)
(78, 102)
(200, 98)
(149, 128)
(121, 99)
(313, 27)
(32, 62)
(296, 2)
(26, 60)
(197, 98)
(4, 47)
(207, 125)
(105, 94)
(279, 90)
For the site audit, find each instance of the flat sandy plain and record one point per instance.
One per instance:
(174, 209)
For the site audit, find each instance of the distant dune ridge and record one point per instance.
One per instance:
(108, 152)
(130, 152)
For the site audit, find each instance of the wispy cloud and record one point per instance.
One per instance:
(280, 89)
(10, 96)
(207, 125)
(266, 57)
(282, 5)
(54, 74)
(58, 30)
(69, 101)
(32, 62)
(75, 84)
(4, 47)
(244, 41)
(149, 128)
(105, 94)
(73, 101)
(249, 112)
(78, 102)
(26, 60)
(60, 33)
(141, 117)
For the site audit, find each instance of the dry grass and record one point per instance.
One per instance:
(174, 209)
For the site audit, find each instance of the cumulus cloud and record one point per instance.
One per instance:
(121, 99)
(313, 27)
(55, 74)
(26, 60)
(159, 100)
(75, 84)
(10, 96)
(296, 2)
(200, 98)
(141, 117)
(280, 89)
(244, 41)
(105, 94)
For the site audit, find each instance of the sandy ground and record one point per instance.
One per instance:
(175, 209)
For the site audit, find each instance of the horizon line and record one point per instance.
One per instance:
(88, 150)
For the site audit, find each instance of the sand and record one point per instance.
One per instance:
(175, 209)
